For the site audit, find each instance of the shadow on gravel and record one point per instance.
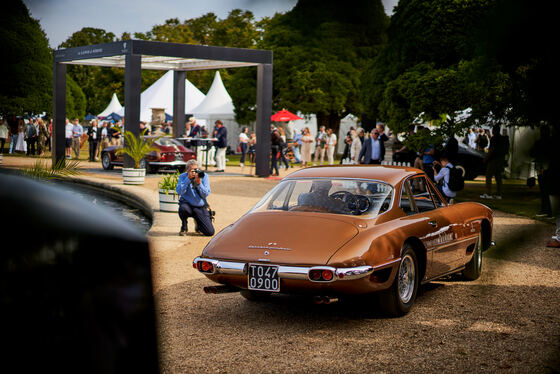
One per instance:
(454, 327)
(517, 242)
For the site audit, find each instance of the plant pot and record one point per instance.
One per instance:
(133, 176)
(168, 202)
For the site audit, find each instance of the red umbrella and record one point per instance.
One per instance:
(284, 116)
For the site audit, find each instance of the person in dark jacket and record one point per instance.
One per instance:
(220, 133)
(276, 145)
(373, 149)
(93, 140)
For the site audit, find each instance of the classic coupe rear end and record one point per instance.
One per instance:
(358, 230)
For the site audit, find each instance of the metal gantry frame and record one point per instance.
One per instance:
(135, 55)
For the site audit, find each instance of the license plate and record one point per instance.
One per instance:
(264, 278)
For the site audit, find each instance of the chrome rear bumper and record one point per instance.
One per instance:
(294, 272)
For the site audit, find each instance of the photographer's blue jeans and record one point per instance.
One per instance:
(200, 215)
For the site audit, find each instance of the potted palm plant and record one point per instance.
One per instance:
(137, 147)
(168, 197)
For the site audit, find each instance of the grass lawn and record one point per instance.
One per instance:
(517, 198)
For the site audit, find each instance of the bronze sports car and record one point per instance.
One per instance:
(171, 154)
(349, 230)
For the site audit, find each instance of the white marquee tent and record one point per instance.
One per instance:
(218, 105)
(160, 95)
(113, 107)
(217, 100)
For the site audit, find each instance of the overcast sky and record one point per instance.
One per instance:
(61, 18)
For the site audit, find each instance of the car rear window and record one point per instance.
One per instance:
(325, 195)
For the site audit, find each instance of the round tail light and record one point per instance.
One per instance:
(327, 275)
(206, 266)
(315, 275)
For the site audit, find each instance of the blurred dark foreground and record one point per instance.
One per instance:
(75, 285)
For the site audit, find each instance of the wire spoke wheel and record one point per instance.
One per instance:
(407, 279)
(398, 299)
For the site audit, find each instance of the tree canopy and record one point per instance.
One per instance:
(26, 81)
(444, 56)
(320, 50)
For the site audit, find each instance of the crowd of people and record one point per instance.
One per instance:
(25, 136)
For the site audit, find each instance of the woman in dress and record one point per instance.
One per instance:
(306, 140)
(43, 135)
(243, 145)
(21, 144)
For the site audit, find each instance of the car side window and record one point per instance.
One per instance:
(437, 199)
(420, 194)
(279, 200)
(406, 201)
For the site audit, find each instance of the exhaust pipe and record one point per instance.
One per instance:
(324, 300)
(219, 289)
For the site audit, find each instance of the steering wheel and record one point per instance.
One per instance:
(357, 204)
(344, 196)
(362, 204)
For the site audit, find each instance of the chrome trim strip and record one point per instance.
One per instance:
(298, 272)
(387, 264)
(448, 244)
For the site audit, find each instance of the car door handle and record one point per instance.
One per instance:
(433, 223)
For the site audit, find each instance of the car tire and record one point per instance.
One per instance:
(106, 162)
(255, 295)
(474, 267)
(398, 299)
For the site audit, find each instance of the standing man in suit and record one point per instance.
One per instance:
(373, 150)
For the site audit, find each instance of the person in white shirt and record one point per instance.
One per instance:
(472, 138)
(330, 146)
(68, 135)
(443, 176)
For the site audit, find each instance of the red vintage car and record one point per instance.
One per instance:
(171, 154)
(349, 230)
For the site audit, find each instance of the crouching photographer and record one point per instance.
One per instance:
(193, 187)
